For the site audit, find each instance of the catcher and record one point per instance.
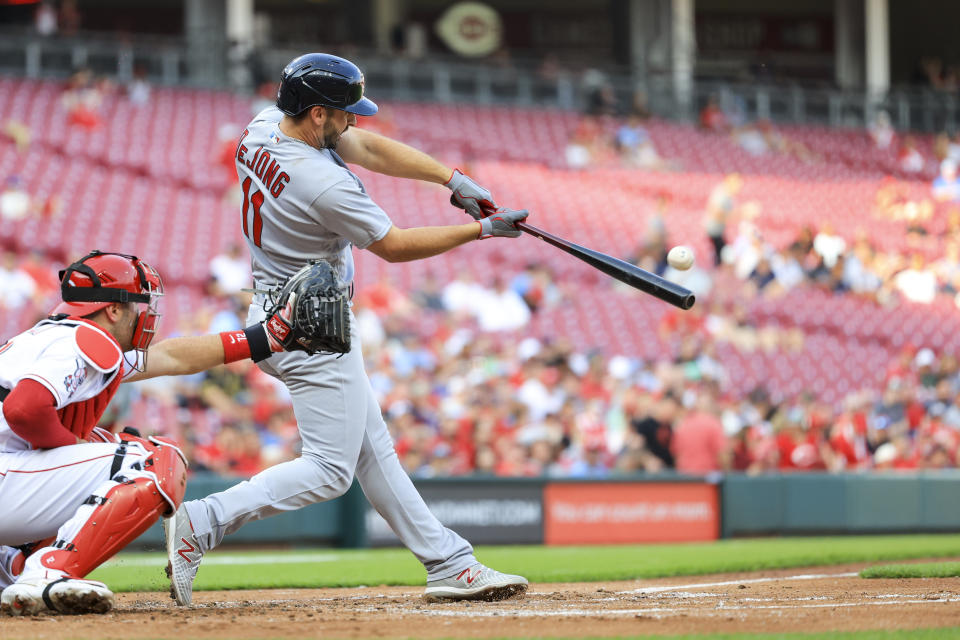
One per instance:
(73, 494)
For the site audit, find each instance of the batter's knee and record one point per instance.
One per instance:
(332, 479)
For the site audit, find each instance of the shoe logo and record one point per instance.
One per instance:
(470, 576)
(183, 552)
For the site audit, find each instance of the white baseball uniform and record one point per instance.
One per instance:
(41, 490)
(301, 203)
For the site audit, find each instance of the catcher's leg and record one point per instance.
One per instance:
(12, 559)
(147, 481)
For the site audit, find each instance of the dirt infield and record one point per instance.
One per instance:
(825, 599)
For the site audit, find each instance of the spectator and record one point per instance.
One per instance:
(946, 186)
(231, 271)
(828, 245)
(699, 442)
(947, 268)
(15, 202)
(787, 270)
(590, 462)
(460, 296)
(858, 275)
(752, 140)
(656, 429)
(639, 107)
(82, 99)
(909, 157)
(712, 117)
(45, 19)
(16, 286)
(918, 283)
(720, 206)
(502, 309)
(635, 145)
(138, 90)
(18, 133)
(69, 19)
(45, 279)
(578, 153)
(601, 99)
(881, 130)
(428, 293)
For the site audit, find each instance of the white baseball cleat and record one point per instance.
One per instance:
(62, 595)
(476, 583)
(183, 556)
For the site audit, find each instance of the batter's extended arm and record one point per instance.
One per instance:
(383, 155)
(404, 245)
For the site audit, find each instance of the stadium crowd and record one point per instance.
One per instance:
(465, 389)
(467, 397)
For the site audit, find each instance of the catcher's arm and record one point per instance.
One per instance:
(181, 356)
(193, 354)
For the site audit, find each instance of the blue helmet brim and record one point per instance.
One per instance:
(363, 107)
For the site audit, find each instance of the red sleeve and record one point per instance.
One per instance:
(31, 414)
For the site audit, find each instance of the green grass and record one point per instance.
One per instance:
(924, 570)
(225, 569)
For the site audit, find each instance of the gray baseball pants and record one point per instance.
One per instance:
(343, 434)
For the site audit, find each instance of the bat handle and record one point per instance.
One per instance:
(529, 228)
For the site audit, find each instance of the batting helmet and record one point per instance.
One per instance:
(320, 79)
(100, 279)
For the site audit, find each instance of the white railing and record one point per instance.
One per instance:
(446, 79)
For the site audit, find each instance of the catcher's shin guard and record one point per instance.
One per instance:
(119, 510)
(24, 551)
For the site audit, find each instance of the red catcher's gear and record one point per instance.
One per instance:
(124, 509)
(99, 279)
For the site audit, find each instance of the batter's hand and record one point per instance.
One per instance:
(470, 196)
(501, 223)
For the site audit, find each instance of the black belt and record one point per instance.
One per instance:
(4, 392)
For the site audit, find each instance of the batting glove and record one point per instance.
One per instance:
(502, 223)
(470, 196)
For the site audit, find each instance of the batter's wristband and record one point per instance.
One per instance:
(259, 344)
(235, 346)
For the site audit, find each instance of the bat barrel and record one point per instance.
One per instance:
(651, 283)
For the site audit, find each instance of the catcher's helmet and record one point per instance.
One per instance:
(320, 79)
(100, 279)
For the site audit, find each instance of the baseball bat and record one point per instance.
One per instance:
(621, 270)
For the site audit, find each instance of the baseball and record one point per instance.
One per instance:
(680, 258)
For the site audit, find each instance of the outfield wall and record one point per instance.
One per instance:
(663, 508)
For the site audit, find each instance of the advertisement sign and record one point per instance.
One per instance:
(483, 512)
(620, 513)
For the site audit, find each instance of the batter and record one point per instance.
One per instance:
(300, 201)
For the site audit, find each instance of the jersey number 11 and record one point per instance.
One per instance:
(256, 199)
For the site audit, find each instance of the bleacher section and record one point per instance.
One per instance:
(148, 182)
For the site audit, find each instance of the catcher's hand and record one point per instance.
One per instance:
(310, 313)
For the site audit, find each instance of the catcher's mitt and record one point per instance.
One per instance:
(311, 312)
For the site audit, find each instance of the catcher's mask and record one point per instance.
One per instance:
(100, 279)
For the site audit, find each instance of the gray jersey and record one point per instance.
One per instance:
(300, 203)
(311, 206)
